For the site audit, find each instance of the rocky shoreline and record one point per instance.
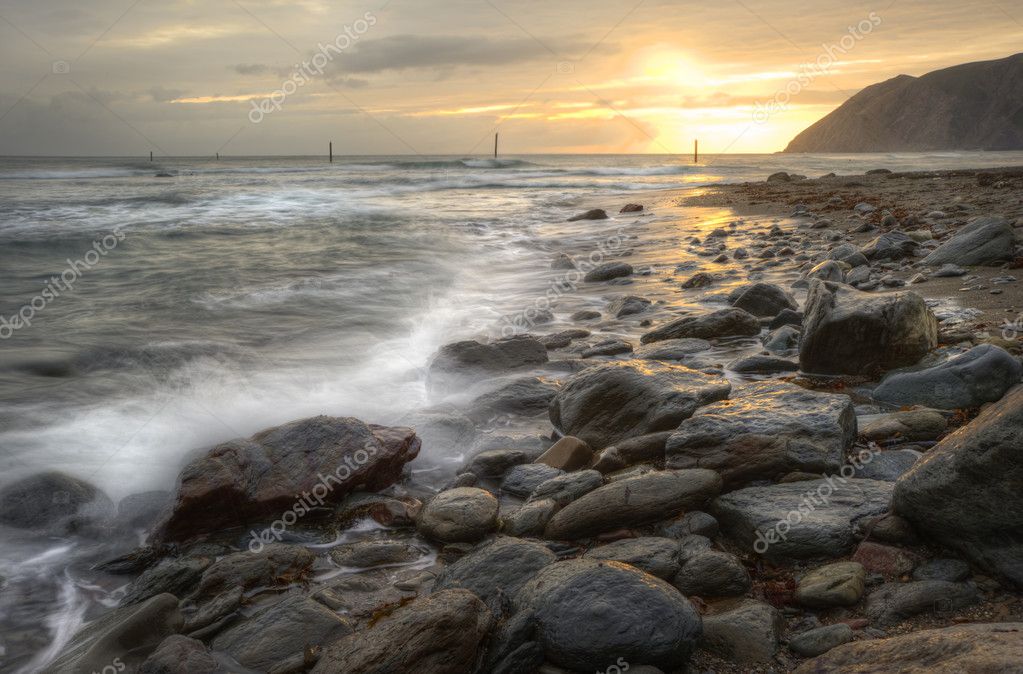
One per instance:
(791, 452)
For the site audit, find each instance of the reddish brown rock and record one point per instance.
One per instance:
(568, 453)
(887, 560)
(287, 469)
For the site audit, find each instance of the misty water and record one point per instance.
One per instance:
(225, 297)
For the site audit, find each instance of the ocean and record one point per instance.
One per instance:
(151, 309)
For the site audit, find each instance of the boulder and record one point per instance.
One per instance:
(494, 463)
(762, 299)
(567, 454)
(171, 576)
(527, 396)
(564, 489)
(846, 331)
(911, 426)
(441, 634)
(888, 465)
(732, 322)
(628, 305)
(178, 654)
(631, 208)
(966, 491)
(590, 613)
(244, 481)
(894, 602)
(272, 566)
(608, 272)
(496, 570)
(990, 647)
(893, 245)
(950, 570)
(985, 241)
(642, 448)
(462, 515)
(838, 584)
(744, 631)
(277, 637)
(828, 270)
(52, 501)
(801, 520)
(820, 640)
(759, 364)
(127, 635)
(612, 401)
(656, 556)
(608, 347)
(886, 560)
(142, 510)
(523, 480)
(765, 430)
(784, 339)
(981, 375)
(498, 356)
(713, 573)
(634, 501)
(592, 214)
(530, 519)
(374, 552)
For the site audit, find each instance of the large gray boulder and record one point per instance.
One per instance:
(801, 520)
(497, 569)
(442, 634)
(589, 614)
(634, 501)
(277, 637)
(469, 357)
(659, 557)
(733, 322)
(52, 501)
(892, 603)
(762, 299)
(981, 375)
(742, 630)
(846, 331)
(989, 647)
(765, 430)
(244, 481)
(893, 245)
(985, 241)
(128, 634)
(613, 401)
(967, 491)
(461, 515)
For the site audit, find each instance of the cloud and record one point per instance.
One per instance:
(162, 95)
(407, 52)
(251, 69)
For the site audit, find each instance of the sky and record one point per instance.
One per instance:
(285, 77)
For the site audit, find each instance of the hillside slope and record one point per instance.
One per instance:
(974, 106)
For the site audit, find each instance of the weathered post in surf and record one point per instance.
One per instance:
(495, 146)
(150, 155)
(330, 151)
(696, 151)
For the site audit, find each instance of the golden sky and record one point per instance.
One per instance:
(191, 77)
